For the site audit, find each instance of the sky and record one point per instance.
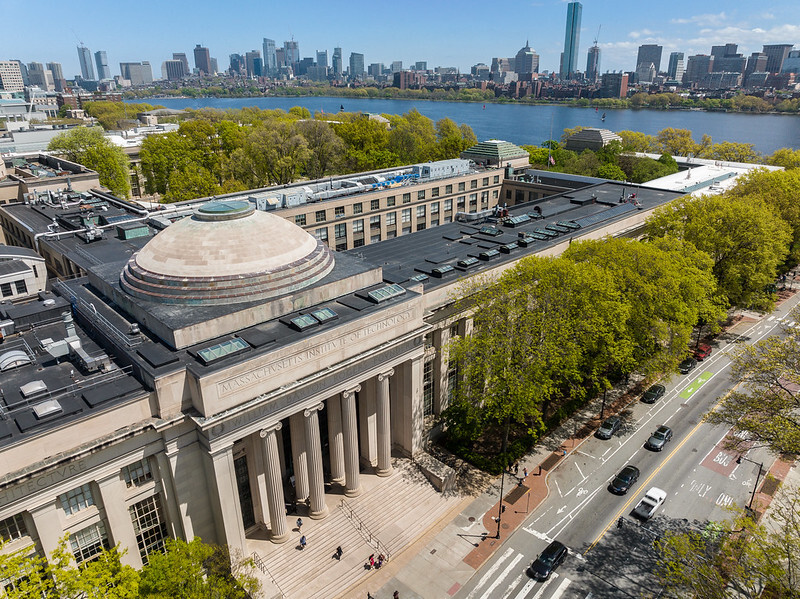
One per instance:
(443, 33)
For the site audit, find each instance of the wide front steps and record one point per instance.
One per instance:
(396, 510)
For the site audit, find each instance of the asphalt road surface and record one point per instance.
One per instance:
(610, 552)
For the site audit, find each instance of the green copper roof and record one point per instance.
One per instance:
(495, 149)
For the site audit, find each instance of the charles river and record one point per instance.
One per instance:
(531, 124)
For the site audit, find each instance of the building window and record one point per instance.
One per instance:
(13, 528)
(390, 201)
(420, 211)
(340, 231)
(300, 220)
(358, 242)
(149, 526)
(508, 194)
(473, 200)
(358, 208)
(461, 186)
(462, 202)
(375, 238)
(322, 234)
(320, 216)
(427, 389)
(391, 234)
(407, 230)
(406, 215)
(448, 219)
(374, 222)
(358, 226)
(391, 219)
(137, 473)
(495, 194)
(406, 198)
(88, 543)
(473, 184)
(421, 226)
(435, 222)
(452, 379)
(496, 179)
(374, 204)
(338, 212)
(6, 289)
(448, 189)
(435, 208)
(448, 205)
(421, 194)
(484, 199)
(77, 499)
(485, 181)
(435, 192)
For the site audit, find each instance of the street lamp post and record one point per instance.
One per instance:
(760, 468)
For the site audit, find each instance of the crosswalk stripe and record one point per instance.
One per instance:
(512, 586)
(502, 575)
(490, 572)
(565, 582)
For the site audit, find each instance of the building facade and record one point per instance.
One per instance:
(85, 59)
(202, 60)
(103, 71)
(572, 37)
(11, 76)
(649, 54)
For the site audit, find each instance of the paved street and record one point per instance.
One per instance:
(611, 553)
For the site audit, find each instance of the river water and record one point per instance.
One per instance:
(531, 124)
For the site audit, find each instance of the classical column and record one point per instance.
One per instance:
(316, 482)
(350, 430)
(49, 529)
(335, 442)
(299, 456)
(174, 520)
(384, 425)
(367, 423)
(278, 531)
(120, 525)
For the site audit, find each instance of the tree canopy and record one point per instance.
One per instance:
(87, 146)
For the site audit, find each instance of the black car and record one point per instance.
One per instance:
(687, 365)
(653, 394)
(661, 436)
(610, 426)
(624, 480)
(550, 559)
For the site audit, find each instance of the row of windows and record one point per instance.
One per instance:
(321, 216)
(20, 286)
(81, 497)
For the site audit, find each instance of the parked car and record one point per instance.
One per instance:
(702, 352)
(648, 505)
(687, 365)
(653, 394)
(660, 437)
(550, 559)
(609, 427)
(624, 480)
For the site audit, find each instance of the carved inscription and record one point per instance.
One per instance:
(42, 481)
(254, 377)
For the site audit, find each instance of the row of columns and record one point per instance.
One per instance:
(307, 454)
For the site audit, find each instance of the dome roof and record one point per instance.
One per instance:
(227, 252)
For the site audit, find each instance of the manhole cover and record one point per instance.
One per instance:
(504, 526)
(471, 519)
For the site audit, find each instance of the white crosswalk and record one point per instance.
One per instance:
(507, 579)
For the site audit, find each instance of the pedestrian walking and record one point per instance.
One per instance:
(303, 542)
(299, 524)
(396, 595)
(339, 552)
(516, 469)
(524, 473)
(369, 596)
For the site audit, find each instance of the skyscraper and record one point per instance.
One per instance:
(270, 58)
(397, 66)
(291, 53)
(174, 70)
(11, 76)
(254, 63)
(182, 57)
(41, 77)
(593, 64)
(776, 54)
(138, 73)
(237, 66)
(58, 76)
(85, 58)
(572, 37)
(103, 72)
(23, 69)
(202, 60)
(336, 63)
(322, 58)
(356, 65)
(676, 66)
(697, 67)
(650, 54)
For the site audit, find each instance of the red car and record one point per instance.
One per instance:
(702, 352)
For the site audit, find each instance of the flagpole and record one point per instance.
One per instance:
(550, 145)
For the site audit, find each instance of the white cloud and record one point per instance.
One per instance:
(706, 20)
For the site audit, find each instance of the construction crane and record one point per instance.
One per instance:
(597, 37)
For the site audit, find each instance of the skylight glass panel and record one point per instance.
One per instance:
(324, 314)
(304, 321)
(221, 350)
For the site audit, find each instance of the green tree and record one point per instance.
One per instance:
(160, 156)
(676, 142)
(611, 171)
(189, 182)
(367, 144)
(451, 139)
(766, 405)
(277, 152)
(104, 577)
(785, 157)
(547, 329)
(325, 147)
(634, 141)
(197, 571)
(669, 287)
(733, 152)
(744, 238)
(412, 137)
(88, 147)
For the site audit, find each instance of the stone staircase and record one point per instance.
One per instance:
(395, 510)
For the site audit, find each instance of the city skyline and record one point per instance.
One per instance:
(468, 38)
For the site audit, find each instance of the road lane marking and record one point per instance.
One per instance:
(512, 586)
(528, 586)
(502, 575)
(565, 582)
(490, 572)
(695, 385)
(547, 583)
